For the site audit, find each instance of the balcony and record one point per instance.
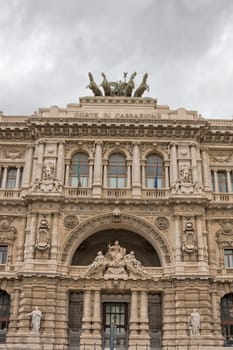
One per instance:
(10, 193)
(85, 192)
(80, 192)
(223, 197)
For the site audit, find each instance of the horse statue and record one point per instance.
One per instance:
(130, 85)
(142, 87)
(93, 86)
(106, 86)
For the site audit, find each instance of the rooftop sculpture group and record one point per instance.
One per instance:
(118, 88)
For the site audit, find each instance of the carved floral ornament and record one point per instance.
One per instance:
(162, 223)
(225, 235)
(221, 157)
(70, 221)
(131, 222)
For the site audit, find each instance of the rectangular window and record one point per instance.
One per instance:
(228, 258)
(11, 178)
(3, 254)
(212, 181)
(222, 181)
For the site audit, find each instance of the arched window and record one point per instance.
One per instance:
(4, 315)
(154, 171)
(227, 316)
(79, 170)
(117, 171)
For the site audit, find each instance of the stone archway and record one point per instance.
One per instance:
(100, 241)
(109, 221)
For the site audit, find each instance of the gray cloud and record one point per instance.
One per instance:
(47, 48)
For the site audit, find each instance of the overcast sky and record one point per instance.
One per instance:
(47, 48)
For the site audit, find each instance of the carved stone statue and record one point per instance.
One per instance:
(48, 171)
(130, 85)
(98, 262)
(185, 174)
(106, 86)
(118, 88)
(194, 323)
(142, 87)
(115, 253)
(116, 264)
(93, 86)
(36, 316)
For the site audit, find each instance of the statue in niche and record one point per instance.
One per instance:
(185, 174)
(194, 323)
(93, 86)
(36, 316)
(48, 171)
(142, 87)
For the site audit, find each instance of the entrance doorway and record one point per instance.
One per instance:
(115, 325)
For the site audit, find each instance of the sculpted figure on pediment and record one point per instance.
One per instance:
(116, 264)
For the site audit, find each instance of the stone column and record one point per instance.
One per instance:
(216, 181)
(206, 170)
(136, 184)
(229, 189)
(60, 161)
(173, 165)
(105, 164)
(144, 321)
(211, 247)
(96, 322)
(40, 157)
(28, 166)
(199, 239)
(194, 163)
(166, 170)
(20, 240)
(133, 322)
(129, 164)
(32, 236)
(97, 185)
(4, 177)
(86, 321)
(54, 237)
(17, 182)
(177, 238)
(67, 174)
(90, 179)
(143, 164)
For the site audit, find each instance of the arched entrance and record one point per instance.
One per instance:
(118, 310)
(4, 315)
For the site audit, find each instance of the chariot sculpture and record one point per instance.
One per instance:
(118, 88)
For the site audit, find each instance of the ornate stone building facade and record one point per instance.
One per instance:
(116, 227)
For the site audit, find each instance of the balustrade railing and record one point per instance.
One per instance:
(223, 197)
(10, 193)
